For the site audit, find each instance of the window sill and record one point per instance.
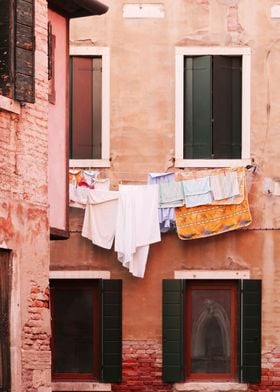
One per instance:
(89, 163)
(210, 387)
(80, 386)
(9, 105)
(212, 162)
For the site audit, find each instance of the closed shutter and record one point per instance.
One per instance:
(250, 327)
(173, 369)
(111, 331)
(6, 50)
(24, 51)
(198, 107)
(86, 94)
(227, 89)
(4, 322)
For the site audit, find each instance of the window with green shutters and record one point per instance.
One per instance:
(212, 107)
(17, 46)
(86, 329)
(212, 98)
(212, 330)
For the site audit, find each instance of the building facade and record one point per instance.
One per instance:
(153, 56)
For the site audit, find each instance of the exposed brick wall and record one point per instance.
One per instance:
(270, 373)
(142, 367)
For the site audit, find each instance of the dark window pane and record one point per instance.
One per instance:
(86, 107)
(73, 330)
(211, 331)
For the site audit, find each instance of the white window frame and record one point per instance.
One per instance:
(104, 52)
(180, 53)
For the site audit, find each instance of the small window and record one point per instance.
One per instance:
(212, 330)
(5, 376)
(17, 47)
(89, 107)
(86, 330)
(212, 106)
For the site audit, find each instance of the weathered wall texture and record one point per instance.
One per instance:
(142, 141)
(24, 227)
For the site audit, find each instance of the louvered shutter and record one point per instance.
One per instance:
(197, 107)
(24, 51)
(5, 377)
(6, 49)
(111, 331)
(173, 369)
(250, 331)
(227, 90)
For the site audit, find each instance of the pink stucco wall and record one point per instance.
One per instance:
(57, 124)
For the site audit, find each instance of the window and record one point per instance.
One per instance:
(86, 329)
(5, 377)
(17, 46)
(212, 106)
(89, 109)
(212, 330)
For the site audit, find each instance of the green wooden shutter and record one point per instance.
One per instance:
(5, 377)
(6, 48)
(198, 107)
(227, 93)
(173, 348)
(24, 51)
(111, 331)
(250, 331)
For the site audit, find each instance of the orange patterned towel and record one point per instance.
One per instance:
(209, 220)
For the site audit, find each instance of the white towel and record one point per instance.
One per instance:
(137, 226)
(100, 217)
(197, 192)
(224, 186)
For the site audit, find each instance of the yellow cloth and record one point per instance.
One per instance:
(209, 220)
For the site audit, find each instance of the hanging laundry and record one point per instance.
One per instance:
(100, 217)
(171, 194)
(197, 192)
(102, 184)
(240, 171)
(224, 186)
(209, 220)
(137, 226)
(78, 196)
(166, 214)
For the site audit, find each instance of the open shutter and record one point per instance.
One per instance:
(198, 107)
(173, 348)
(4, 322)
(6, 48)
(24, 51)
(111, 330)
(250, 331)
(227, 90)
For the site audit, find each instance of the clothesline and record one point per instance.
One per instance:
(196, 207)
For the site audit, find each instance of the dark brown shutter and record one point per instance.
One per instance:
(5, 377)
(227, 89)
(86, 108)
(24, 51)
(6, 48)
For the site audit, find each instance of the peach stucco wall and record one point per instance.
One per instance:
(142, 87)
(57, 124)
